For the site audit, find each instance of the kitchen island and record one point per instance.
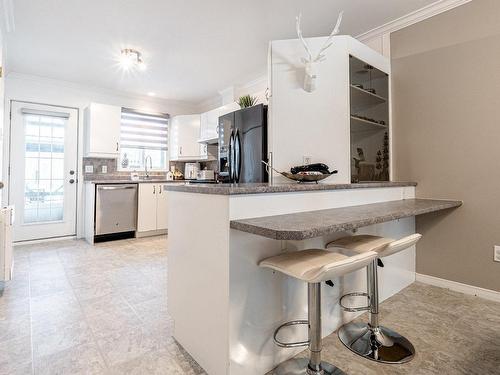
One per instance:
(225, 308)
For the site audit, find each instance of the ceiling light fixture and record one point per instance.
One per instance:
(131, 58)
(151, 93)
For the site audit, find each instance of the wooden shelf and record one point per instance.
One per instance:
(360, 125)
(362, 99)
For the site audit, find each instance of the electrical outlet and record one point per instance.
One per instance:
(496, 253)
(104, 169)
(89, 169)
(306, 160)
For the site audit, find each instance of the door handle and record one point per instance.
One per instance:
(71, 181)
(237, 156)
(231, 156)
(116, 187)
(159, 189)
(116, 146)
(154, 189)
(180, 150)
(71, 172)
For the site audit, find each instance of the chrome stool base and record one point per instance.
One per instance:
(300, 366)
(379, 344)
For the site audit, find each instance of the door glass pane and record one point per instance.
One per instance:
(44, 168)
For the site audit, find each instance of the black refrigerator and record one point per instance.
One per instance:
(243, 145)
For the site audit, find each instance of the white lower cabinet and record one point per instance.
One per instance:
(161, 208)
(152, 208)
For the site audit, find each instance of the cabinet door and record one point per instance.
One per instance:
(161, 208)
(103, 129)
(174, 138)
(204, 126)
(212, 124)
(184, 136)
(146, 210)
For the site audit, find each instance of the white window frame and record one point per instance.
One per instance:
(163, 116)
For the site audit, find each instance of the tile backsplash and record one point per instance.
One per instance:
(110, 165)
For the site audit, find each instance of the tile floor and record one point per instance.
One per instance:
(79, 309)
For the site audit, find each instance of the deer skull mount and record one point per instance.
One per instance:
(312, 61)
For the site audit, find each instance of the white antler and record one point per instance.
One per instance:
(311, 64)
(299, 34)
(329, 41)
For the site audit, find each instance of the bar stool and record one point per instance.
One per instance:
(372, 340)
(312, 266)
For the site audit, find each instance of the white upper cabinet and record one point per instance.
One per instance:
(102, 130)
(184, 134)
(318, 125)
(210, 122)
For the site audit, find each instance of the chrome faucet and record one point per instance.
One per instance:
(146, 165)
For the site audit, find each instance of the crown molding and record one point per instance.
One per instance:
(412, 18)
(94, 89)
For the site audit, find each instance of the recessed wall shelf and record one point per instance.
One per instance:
(362, 72)
(361, 98)
(369, 102)
(359, 125)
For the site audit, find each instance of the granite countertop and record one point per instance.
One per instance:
(303, 225)
(129, 181)
(261, 188)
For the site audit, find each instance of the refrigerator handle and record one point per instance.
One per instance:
(230, 156)
(237, 156)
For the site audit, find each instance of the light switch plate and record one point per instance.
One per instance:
(496, 253)
(104, 169)
(89, 169)
(306, 160)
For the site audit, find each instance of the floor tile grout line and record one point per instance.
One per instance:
(94, 338)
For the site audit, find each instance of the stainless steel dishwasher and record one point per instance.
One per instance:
(115, 208)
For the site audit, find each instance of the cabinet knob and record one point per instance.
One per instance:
(154, 189)
(116, 146)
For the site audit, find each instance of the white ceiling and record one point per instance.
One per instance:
(192, 48)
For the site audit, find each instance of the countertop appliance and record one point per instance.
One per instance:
(191, 171)
(206, 175)
(243, 145)
(115, 208)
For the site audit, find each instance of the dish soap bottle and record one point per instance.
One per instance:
(170, 173)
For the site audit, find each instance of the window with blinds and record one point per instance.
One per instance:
(143, 135)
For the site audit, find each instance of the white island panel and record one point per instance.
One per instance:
(226, 308)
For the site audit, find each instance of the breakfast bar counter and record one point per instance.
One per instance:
(225, 307)
(304, 225)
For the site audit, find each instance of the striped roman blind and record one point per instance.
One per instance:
(144, 131)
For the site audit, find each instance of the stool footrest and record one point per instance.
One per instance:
(290, 344)
(355, 309)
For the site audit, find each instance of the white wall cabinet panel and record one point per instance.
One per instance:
(210, 122)
(146, 214)
(102, 130)
(161, 208)
(184, 135)
(314, 124)
(152, 208)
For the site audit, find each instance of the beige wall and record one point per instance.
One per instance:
(446, 91)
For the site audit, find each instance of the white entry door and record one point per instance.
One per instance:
(43, 177)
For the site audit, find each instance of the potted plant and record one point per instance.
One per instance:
(246, 101)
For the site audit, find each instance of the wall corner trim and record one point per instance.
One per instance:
(488, 294)
(412, 18)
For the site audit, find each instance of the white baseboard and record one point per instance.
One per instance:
(488, 294)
